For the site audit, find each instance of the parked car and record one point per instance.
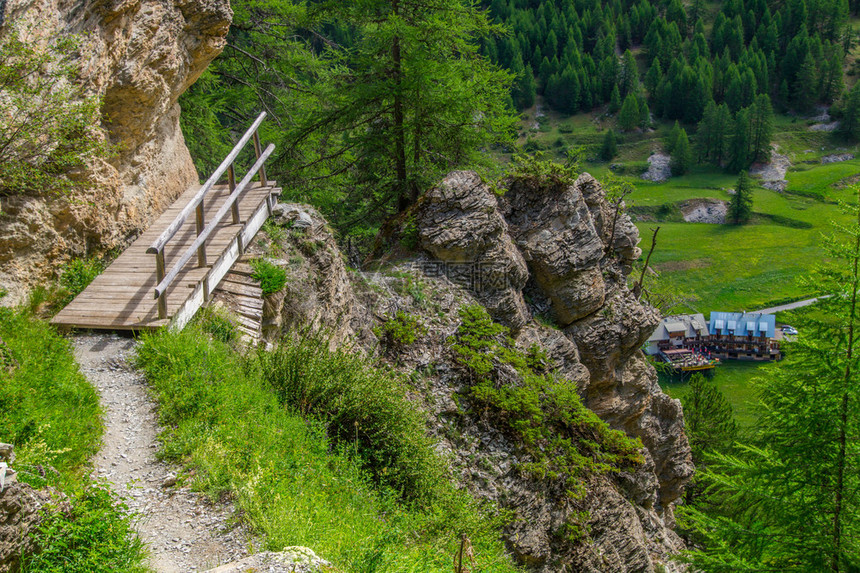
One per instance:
(786, 329)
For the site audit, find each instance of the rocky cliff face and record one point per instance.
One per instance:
(565, 248)
(139, 56)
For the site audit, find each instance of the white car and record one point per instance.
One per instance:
(789, 329)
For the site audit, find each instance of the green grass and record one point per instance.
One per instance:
(51, 414)
(317, 448)
(741, 267)
(48, 410)
(733, 378)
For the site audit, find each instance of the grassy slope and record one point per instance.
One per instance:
(51, 414)
(293, 482)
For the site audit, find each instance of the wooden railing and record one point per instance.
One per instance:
(163, 277)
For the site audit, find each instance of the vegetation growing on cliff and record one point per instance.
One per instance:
(49, 125)
(564, 439)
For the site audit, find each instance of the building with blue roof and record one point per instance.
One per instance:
(725, 335)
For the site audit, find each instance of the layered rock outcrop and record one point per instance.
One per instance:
(139, 56)
(570, 249)
(459, 223)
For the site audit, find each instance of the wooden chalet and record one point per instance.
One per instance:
(725, 336)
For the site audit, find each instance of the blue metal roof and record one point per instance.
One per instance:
(721, 323)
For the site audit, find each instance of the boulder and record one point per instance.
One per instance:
(22, 509)
(290, 560)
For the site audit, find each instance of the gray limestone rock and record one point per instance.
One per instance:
(459, 224)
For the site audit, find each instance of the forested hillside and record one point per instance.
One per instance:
(722, 66)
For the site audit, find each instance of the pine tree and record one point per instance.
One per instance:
(682, 155)
(610, 147)
(740, 207)
(704, 132)
(709, 425)
(628, 118)
(652, 78)
(805, 86)
(761, 127)
(628, 74)
(615, 100)
(740, 149)
(672, 139)
(790, 503)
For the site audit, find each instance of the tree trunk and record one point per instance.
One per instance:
(843, 414)
(399, 132)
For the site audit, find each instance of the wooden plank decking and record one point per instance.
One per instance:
(122, 297)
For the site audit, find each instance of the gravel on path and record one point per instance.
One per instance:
(183, 530)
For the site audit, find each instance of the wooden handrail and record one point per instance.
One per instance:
(158, 245)
(162, 286)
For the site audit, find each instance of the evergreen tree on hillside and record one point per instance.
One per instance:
(682, 155)
(761, 127)
(851, 113)
(790, 500)
(740, 206)
(806, 85)
(740, 148)
(672, 138)
(610, 148)
(628, 118)
(615, 100)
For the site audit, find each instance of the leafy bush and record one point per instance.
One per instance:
(217, 323)
(49, 125)
(360, 406)
(271, 277)
(95, 538)
(400, 330)
(564, 438)
(535, 168)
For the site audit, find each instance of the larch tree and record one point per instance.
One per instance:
(682, 154)
(740, 206)
(761, 127)
(610, 147)
(628, 117)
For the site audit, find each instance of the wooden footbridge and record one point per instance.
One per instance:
(171, 270)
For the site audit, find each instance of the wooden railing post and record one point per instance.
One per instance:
(231, 179)
(258, 149)
(201, 224)
(159, 276)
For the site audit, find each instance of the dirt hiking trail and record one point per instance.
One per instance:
(183, 530)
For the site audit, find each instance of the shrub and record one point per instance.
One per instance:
(95, 538)
(360, 406)
(77, 274)
(49, 126)
(400, 330)
(217, 323)
(564, 438)
(271, 277)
